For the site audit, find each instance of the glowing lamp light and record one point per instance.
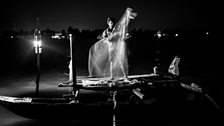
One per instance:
(37, 45)
(159, 35)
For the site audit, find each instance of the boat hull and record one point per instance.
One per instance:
(157, 97)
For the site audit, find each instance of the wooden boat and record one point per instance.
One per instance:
(134, 96)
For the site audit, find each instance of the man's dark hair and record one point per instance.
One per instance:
(111, 19)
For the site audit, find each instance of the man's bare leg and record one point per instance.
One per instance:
(125, 75)
(70, 80)
(111, 70)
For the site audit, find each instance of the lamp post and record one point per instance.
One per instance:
(38, 50)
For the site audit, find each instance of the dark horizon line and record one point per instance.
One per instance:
(137, 29)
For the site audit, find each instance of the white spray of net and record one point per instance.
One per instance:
(111, 49)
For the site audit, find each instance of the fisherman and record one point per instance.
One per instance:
(107, 34)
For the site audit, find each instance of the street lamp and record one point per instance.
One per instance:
(38, 49)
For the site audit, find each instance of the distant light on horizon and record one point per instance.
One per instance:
(158, 34)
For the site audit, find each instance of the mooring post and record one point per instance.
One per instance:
(72, 54)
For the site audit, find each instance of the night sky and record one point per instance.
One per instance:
(92, 14)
